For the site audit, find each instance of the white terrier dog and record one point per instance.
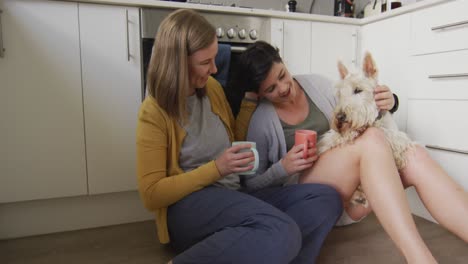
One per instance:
(355, 111)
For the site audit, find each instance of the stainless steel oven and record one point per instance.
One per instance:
(235, 30)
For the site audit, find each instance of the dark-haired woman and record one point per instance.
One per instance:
(307, 102)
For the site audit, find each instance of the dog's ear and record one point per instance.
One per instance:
(342, 69)
(369, 67)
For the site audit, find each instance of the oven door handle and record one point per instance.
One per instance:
(237, 49)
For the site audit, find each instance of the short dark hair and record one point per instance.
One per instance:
(255, 63)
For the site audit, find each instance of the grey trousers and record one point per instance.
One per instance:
(273, 225)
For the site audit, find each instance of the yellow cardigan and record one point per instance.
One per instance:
(161, 182)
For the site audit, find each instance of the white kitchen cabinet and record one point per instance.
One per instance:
(42, 151)
(293, 39)
(332, 43)
(440, 28)
(296, 45)
(439, 123)
(110, 54)
(276, 34)
(388, 41)
(302, 45)
(442, 76)
(437, 90)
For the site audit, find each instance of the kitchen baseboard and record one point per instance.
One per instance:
(39, 217)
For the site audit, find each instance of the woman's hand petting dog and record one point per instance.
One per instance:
(384, 97)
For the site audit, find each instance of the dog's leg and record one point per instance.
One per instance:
(400, 143)
(328, 141)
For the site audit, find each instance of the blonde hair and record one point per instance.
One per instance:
(180, 34)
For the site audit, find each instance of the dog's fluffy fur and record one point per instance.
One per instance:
(356, 111)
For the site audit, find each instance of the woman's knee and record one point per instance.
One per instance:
(279, 236)
(417, 158)
(332, 198)
(324, 198)
(373, 136)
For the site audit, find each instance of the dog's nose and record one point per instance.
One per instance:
(341, 117)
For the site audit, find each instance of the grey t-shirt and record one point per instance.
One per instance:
(315, 120)
(206, 139)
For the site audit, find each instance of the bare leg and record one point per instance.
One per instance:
(429, 178)
(370, 161)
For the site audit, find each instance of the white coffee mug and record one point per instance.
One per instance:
(253, 148)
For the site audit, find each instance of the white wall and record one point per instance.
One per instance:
(323, 7)
(303, 6)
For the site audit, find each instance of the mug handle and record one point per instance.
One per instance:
(257, 162)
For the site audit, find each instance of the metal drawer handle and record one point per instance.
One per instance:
(461, 23)
(447, 149)
(455, 75)
(2, 50)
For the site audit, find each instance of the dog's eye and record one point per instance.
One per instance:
(357, 90)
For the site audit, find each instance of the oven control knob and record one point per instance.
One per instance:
(253, 34)
(242, 34)
(220, 32)
(231, 33)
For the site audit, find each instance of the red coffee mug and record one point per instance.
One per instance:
(305, 137)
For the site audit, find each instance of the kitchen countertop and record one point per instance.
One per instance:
(267, 13)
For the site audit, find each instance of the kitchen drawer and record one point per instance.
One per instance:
(439, 76)
(440, 28)
(440, 123)
(455, 164)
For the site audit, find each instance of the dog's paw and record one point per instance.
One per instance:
(359, 198)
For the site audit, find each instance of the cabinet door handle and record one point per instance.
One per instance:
(128, 37)
(455, 75)
(447, 149)
(355, 47)
(456, 24)
(2, 50)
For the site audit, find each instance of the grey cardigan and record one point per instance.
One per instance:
(265, 129)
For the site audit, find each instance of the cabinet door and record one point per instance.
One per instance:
(41, 110)
(388, 42)
(292, 38)
(110, 53)
(296, 46)
(276, 34)
(332, 43)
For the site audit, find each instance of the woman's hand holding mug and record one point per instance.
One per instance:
(303, 154)
(241, 158)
